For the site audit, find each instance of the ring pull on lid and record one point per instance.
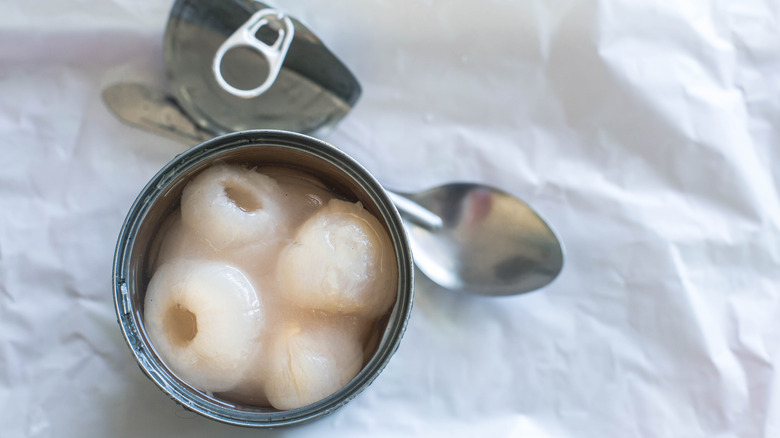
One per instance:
(246, 36)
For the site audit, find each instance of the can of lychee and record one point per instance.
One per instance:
(303, 302)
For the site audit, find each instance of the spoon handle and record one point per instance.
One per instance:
(416, 213)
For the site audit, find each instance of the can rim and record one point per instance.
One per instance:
(122, 280)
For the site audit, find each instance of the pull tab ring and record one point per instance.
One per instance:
(244, 36)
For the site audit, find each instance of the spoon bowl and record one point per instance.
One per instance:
(485, 241)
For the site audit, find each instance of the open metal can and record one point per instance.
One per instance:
(131, 270)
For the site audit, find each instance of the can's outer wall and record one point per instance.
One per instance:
(161, 195)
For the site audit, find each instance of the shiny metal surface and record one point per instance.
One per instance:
(489, 242)
(416, 213)
(281, 33)
(311, 88)
(143, 107)
(135, 252)
(465, 237)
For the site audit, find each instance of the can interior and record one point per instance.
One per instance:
(146, 245)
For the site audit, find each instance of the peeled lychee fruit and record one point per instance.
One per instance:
(308, 363)
(229, 206)
(204, 319)
(340, 261)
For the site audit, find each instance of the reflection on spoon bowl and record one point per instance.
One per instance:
(487, 242)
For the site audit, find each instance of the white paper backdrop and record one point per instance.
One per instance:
(646, 132)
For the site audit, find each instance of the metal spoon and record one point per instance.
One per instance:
(467, 237)
(478, 239)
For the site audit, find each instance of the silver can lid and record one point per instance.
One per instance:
(235, 65)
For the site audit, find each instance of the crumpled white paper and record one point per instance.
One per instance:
(645, 132)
